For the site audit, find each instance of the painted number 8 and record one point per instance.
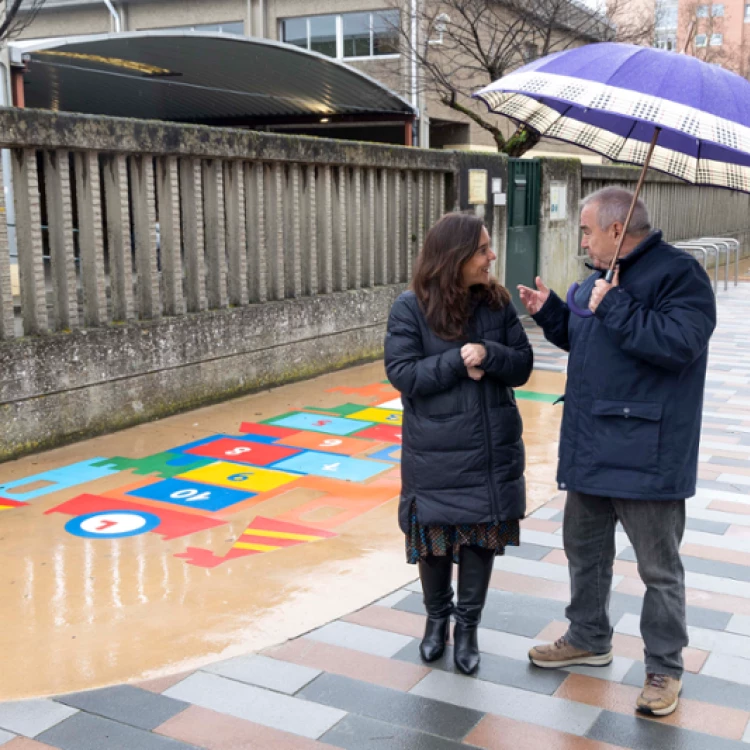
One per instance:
(237, 451)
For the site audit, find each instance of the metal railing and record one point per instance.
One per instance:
(716, 247)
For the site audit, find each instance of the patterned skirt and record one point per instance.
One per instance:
(422, 541)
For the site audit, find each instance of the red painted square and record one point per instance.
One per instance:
(270, 430)
(386, 432)
(243, 451)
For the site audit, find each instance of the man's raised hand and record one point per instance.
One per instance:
(533, 300)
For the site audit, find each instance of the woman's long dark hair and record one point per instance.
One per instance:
(437, 279)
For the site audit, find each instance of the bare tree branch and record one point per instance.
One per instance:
(16, 16)
(465, 44)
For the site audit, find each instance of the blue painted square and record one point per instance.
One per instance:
(59, 479)
(321, 423)
(387, 454)
(192, 494)
(332, 466)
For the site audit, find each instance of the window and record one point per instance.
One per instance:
(702, 11)
(347, 35)
(717, 40)
(229, 27)
(717, 11)
(700, 40)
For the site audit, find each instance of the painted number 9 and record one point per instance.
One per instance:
(239, 477)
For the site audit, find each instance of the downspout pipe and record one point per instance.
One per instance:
(115, 15)
(413, 44)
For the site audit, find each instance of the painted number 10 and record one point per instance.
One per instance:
(191, 496)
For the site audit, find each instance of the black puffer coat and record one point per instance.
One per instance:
(462, 458)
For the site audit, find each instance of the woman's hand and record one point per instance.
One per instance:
(475, 373)
(473, 355)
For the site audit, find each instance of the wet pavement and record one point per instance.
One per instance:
(201, 620)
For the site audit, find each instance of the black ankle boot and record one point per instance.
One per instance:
(474, 572)
(435, 574)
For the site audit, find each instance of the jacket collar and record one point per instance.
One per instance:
(649, 242)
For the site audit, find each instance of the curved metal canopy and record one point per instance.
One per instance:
(198, 77)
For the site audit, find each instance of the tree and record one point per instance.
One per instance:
(462, 45)
(17, 15)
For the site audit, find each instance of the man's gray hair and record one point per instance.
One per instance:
(613, 204)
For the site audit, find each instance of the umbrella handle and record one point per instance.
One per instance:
(571, 300)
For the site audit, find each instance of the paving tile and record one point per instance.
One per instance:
(5, 737)
(728, 667)
(514, 583)
(701, 687)
(715, 641)
(256, 704)
(734, 571)
(546, 513)
(24, 743)
(87, 732)
(501, 670)
(391, 599)
(348, 663)
(264, 672)
(731, 507)
(424, 714)
(160, 684)
(718, 721)
(393, 620)
(30, 718)
(215, 731)
(540, 524)
(369, 640)
(522, 705)
(528, 551)
(361, 733)
(710, 527)
(127, 704)
(502, 733)
(640, 733)
(628, 646)
(739, 624)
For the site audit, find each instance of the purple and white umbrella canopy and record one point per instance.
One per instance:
(611, 98)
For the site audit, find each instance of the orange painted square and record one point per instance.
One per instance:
(316, 441)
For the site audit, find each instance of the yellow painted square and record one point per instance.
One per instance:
(383, 416)
(240, 476)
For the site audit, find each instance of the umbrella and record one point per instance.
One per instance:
(637, 105)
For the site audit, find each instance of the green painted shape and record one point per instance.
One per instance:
(343, 411)
(548, 398)
(156, 464)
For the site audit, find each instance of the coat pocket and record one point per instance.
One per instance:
(626, 435)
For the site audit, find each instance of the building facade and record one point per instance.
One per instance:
(361, 33)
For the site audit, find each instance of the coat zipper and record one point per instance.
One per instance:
(488, 445)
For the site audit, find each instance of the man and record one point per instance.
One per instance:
(630, 433)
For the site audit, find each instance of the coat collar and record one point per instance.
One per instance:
(648, 243)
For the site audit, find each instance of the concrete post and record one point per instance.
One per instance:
(213, 221)
(325, 232)
(255, 224)
(170, 235)
(7, 321)
(234, 201)
(309, 219)
(354, 230)
(191, 198)
(293, 234)
(144, 236)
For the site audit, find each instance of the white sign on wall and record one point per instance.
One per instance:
(558, 201)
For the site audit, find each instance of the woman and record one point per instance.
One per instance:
(454, 349)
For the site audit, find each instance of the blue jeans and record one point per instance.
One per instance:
(655, 530)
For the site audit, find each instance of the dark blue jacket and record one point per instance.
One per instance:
(462, 458)
(636, 374)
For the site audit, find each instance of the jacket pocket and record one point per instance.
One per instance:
(626, 435)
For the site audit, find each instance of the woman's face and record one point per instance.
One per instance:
(476, 270)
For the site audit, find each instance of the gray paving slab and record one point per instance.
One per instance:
(87, 732)
(30, 718)
(739, 624)
(392, 599)
(127, 704)
(543, 710)
(504, 611)
(6, 737)
(360, 638)
(256, 704)
(701, 687)
(706, 567)
(529, 551)
(501, 670)
(392, 706)
(712, 484)
(361, 733)
(282, 676)
(723, 461)
(644, 734)
(712, 527)
(699, 617)
(727, 667)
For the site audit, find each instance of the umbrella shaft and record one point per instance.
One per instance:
(638, 188)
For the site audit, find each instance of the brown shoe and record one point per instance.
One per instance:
(562, 654)
(660, 695)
